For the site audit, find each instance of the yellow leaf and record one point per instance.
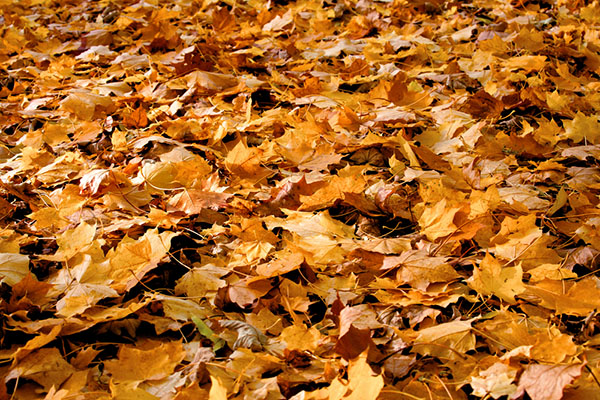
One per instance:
(74, 241)
(155, 360)
(202, 281)
(561, 200)
(496, 381)
(129, 391)
(132, 259)
(218, 391)
(550, 271)
(419, 270)
(245, 162)
(584, 128)
(446, 341)
(119, 140)
(48, 217)
(193, 201)
(527, 63)
(210, 80)
(491, 278)
(568, 297)
(438, 221)
(531, 40)
(44, 366)
(13, 267)
(332, 192)
(307, 224)
(362, 383)
(84, 105)
(300, 337)
(556, 102)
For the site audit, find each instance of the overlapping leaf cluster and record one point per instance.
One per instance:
(313, 199)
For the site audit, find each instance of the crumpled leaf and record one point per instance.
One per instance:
(404, 196)
(248, 336)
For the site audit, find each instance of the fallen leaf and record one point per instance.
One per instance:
(44, 366)
(493, 278)
(248, 336)
(567, 297)
(449, 340)
(546, 381)
(153, 361)
(13, 268)
(496, 381)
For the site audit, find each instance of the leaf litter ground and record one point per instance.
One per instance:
(308, 200)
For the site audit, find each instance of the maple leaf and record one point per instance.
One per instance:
(583, 127)
(192, 201)
(546, 381)
(342, 176)
(218, 390)
(245, 162)
(300, 337)
(545, 343)
(132, 259)
(202, 281)
(362, 383)
(137, 118)
(334, 190)
(492, 278)
(45, 366)
(419, 270)
(13, 267)
(567, 297)
(29, 291)
(84, 105)
(438, 221)
(497, 381)
(154, 361)
(448, 340)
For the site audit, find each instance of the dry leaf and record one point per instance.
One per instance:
(493, 278)
(248, 337)
(368, 183)
(546, 382)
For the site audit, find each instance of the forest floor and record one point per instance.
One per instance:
(313, 199)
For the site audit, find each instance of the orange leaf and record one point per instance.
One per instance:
(136, 119)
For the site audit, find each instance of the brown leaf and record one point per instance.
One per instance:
(248, 336)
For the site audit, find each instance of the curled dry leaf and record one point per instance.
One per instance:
(248, 336)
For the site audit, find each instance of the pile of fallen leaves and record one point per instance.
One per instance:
(313, 199)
